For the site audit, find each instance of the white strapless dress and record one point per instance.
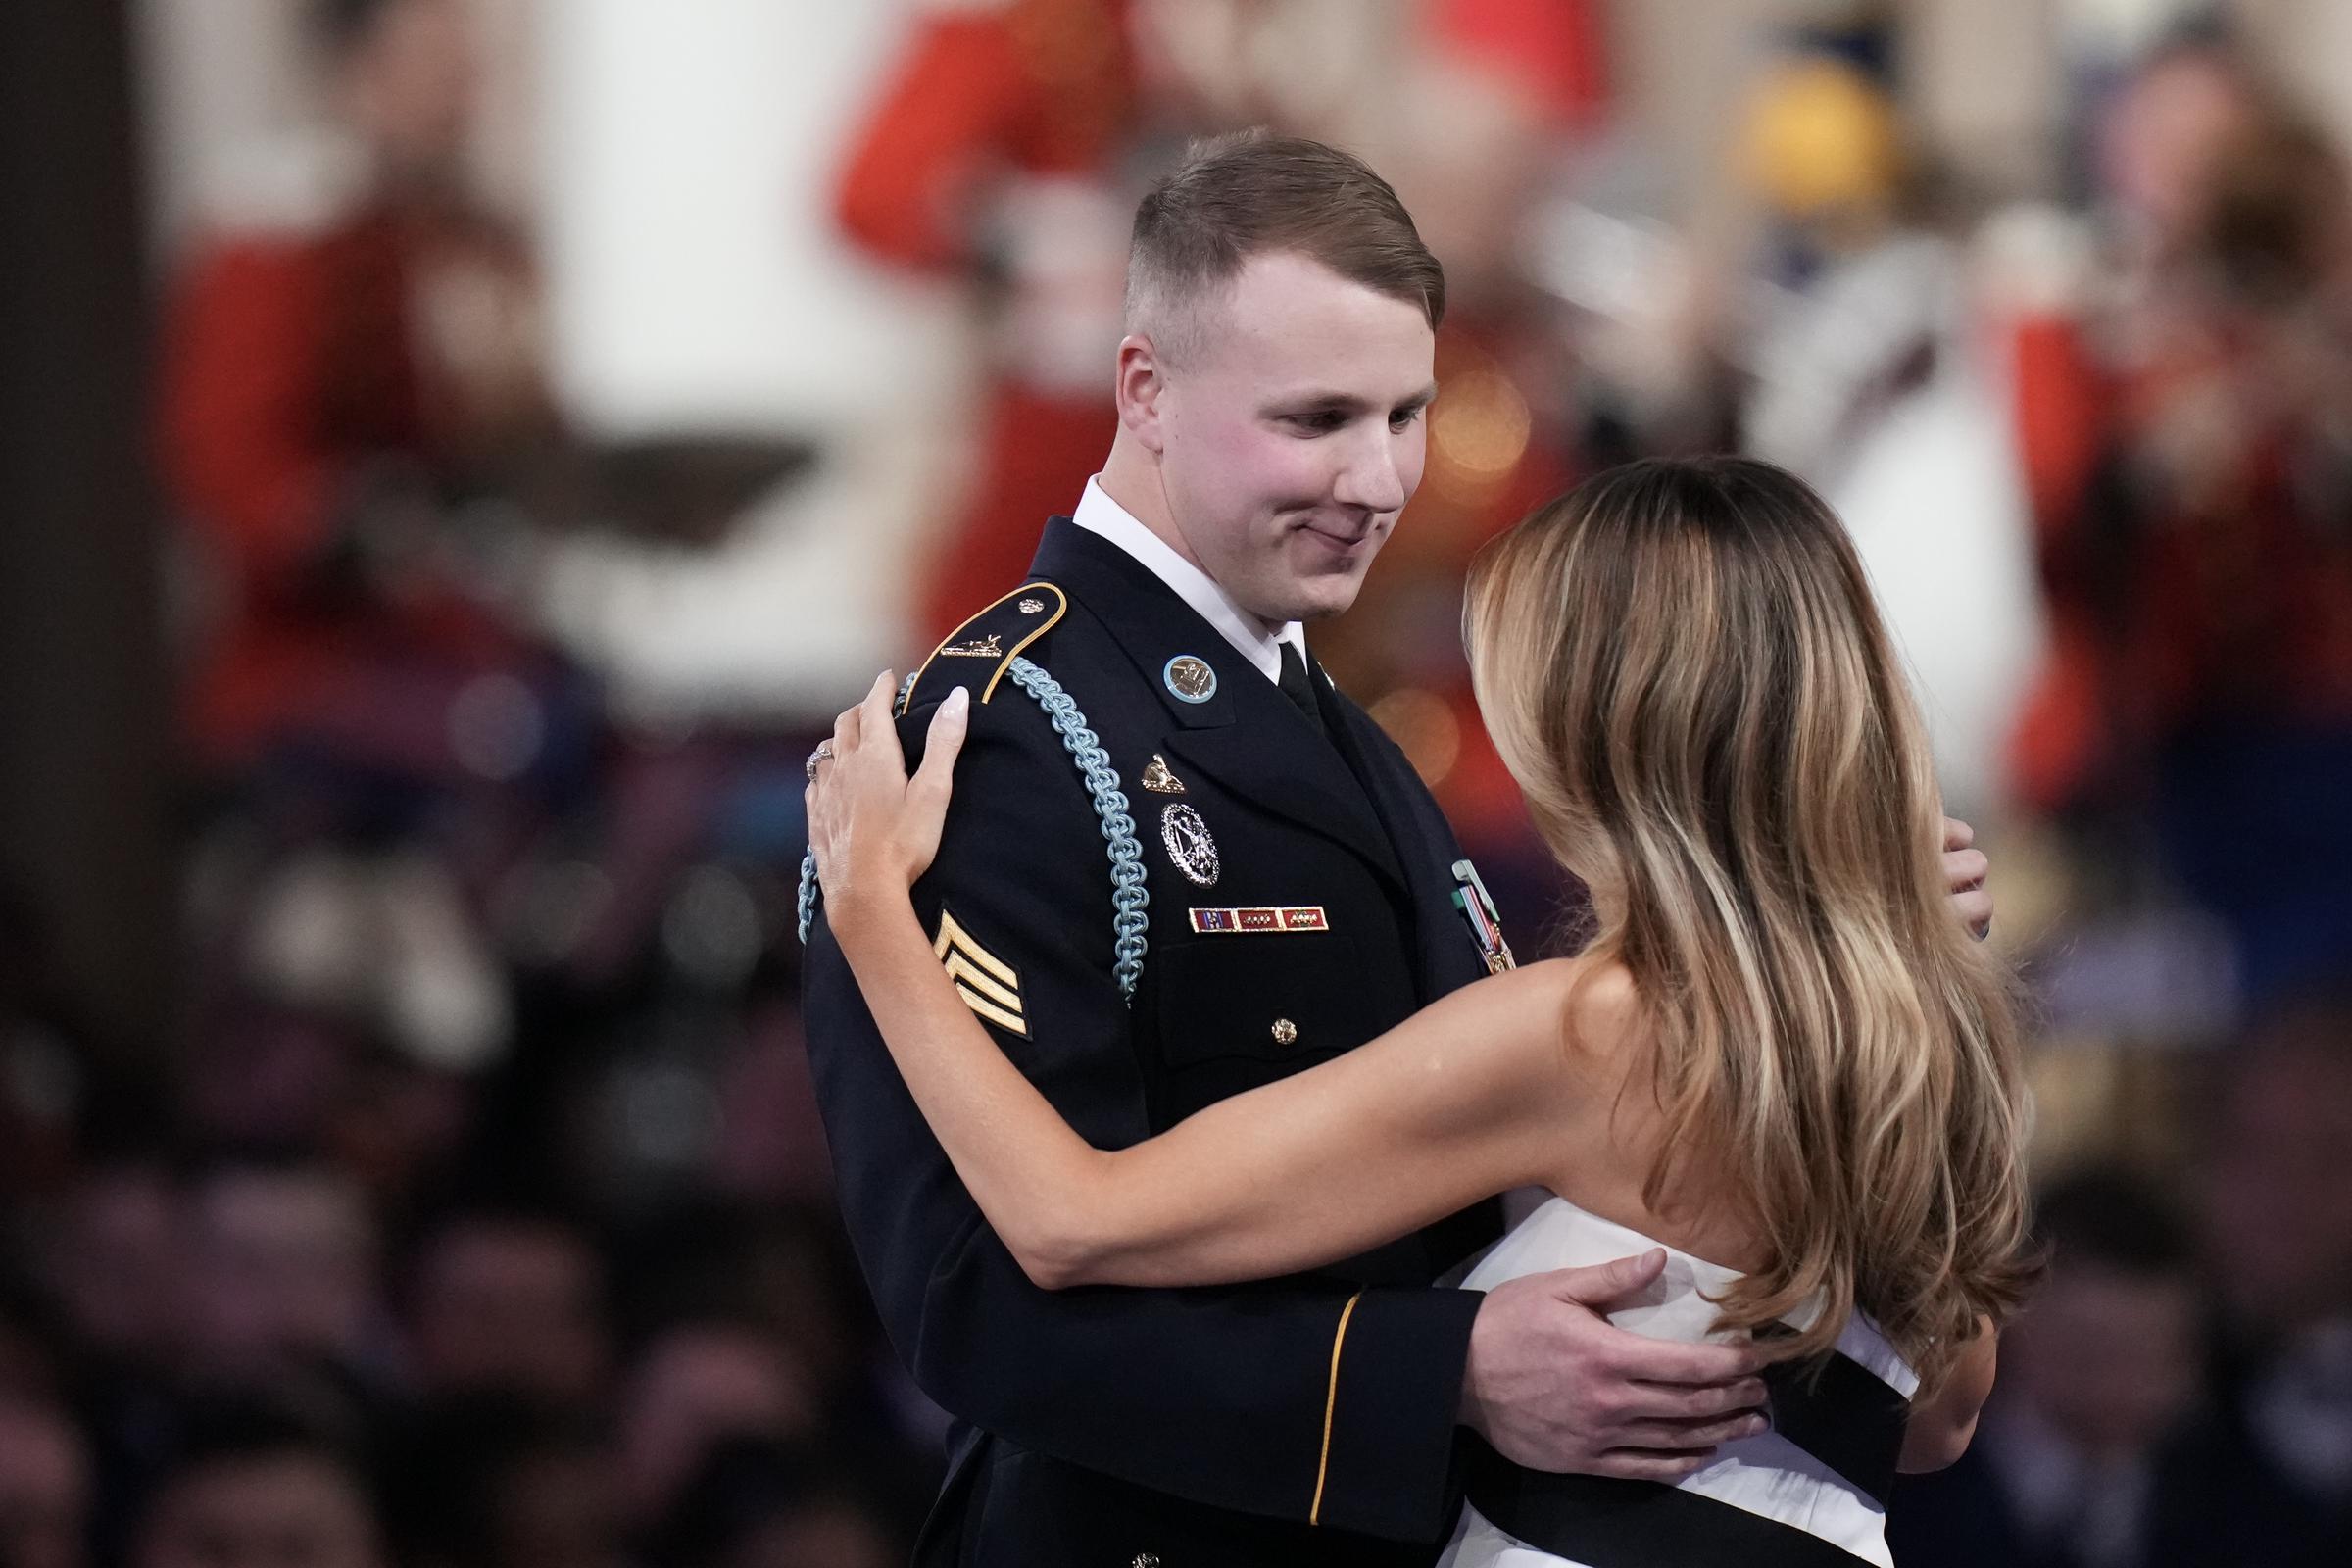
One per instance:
(1792, 1505)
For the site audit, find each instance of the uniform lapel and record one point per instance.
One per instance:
(1448, 959)
(1247, 735)
(1300, 779)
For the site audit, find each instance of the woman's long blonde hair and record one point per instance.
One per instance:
(1682, 664)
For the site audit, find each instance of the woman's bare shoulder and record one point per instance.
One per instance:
(1531, 993)
(1575, 1012)
(1530, 1056)
(1596, 1002)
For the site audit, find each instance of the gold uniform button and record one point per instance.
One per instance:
(1145, 1559)
(1285, 1031)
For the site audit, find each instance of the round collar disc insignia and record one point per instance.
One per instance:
(1189, 679)
(1188, 845)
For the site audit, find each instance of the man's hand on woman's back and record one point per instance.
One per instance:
(1552, 1385)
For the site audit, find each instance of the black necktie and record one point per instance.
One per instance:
(1297, 686)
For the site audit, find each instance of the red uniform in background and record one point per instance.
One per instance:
(300, 388)
(2218, 590)
(1551, 50)
(1027, 90)
(2061, 434)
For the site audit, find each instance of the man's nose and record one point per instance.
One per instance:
(1370, 478)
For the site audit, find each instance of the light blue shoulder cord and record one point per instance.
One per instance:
(1129, 896)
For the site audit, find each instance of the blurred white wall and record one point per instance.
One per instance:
(227, 100)
(697, 283)
(690, 150)
(235, 130)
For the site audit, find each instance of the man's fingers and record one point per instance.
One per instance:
(1646, 1464)
(1974, 909)
(948, 728)
(1686, 1405)
(1683, 1366)
(1604, 1283)
(1964, 873)
(1682, 1435)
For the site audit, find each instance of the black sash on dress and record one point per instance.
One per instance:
(1839, 1411)
(1843, 1414)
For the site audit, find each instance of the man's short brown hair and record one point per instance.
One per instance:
(1250, 192)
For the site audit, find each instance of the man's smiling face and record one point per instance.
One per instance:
(1293, 433)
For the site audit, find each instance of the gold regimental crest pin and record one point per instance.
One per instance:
(1157, 779)
(991, 646)
(1188, 845)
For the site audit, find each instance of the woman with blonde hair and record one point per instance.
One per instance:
(1778, 1060)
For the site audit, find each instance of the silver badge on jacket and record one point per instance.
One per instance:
(1188, 844)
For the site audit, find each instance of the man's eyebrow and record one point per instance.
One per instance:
(1318, 400)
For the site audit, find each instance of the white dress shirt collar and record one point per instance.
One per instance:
(1097, 513)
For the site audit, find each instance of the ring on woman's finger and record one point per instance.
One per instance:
(822, 754)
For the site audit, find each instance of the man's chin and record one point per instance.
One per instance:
(1319, 598)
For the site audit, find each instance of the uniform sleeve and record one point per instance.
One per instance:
(977, 93)
(238, 394)
(949, 108)
(1307, 1401)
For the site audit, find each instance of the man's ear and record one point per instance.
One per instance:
(1141, 381)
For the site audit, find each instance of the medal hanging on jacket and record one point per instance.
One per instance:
(1486, 926)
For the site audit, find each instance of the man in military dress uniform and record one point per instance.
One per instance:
(1179, 864)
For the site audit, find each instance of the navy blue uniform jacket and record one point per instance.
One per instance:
(1296, 1421)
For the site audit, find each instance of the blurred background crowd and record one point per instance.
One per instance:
(459, 453)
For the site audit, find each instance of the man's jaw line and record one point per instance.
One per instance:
(1156, 513)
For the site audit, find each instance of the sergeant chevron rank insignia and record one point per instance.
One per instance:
(988, 985)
